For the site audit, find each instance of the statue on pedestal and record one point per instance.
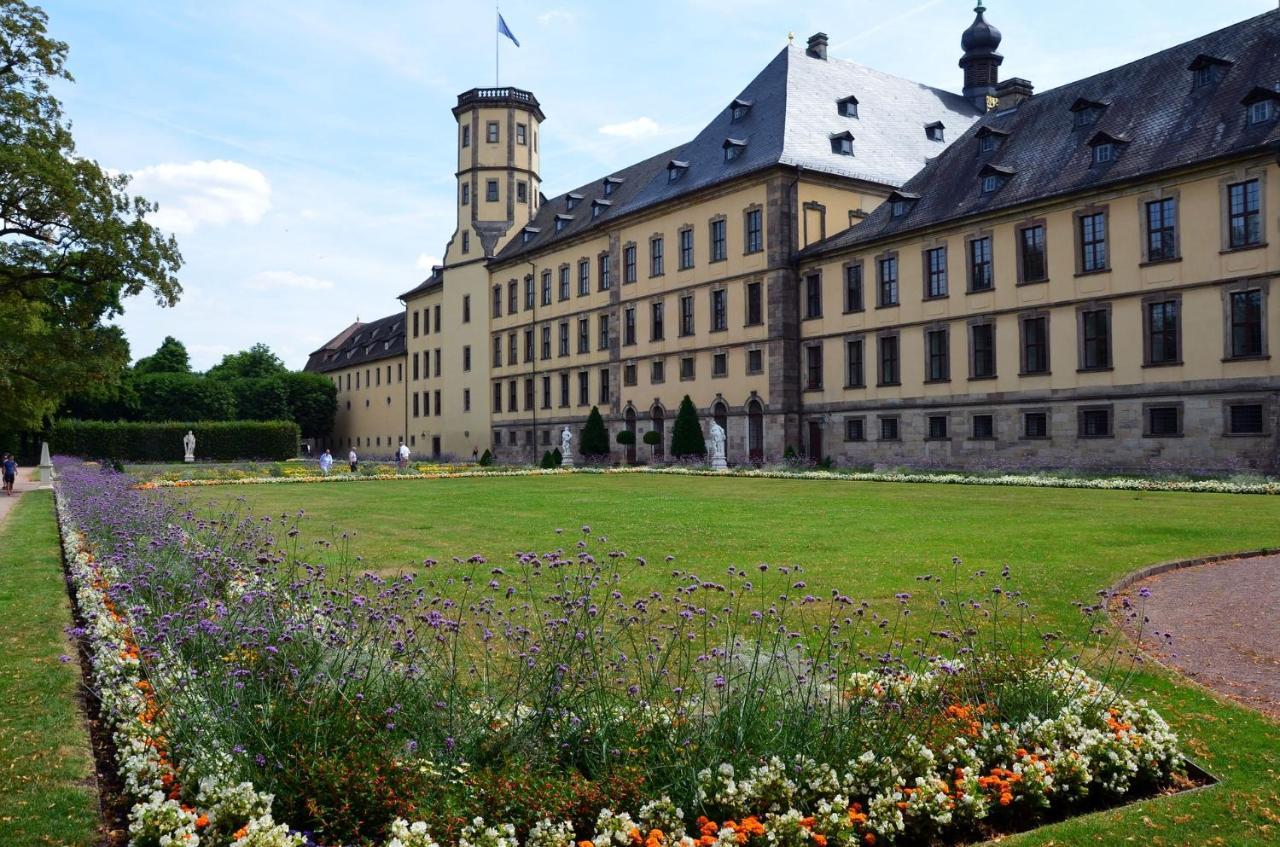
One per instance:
(189, 447)
(566, 455)
(717, 448)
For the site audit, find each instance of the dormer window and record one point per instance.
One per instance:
(571, 200)
(1087, 112)
(599, 207)
(990, 139)
(1206, 70)
(935, 131)
(990, 183)
(901, 202)
(738, 109)
(842, 143)
(1104, 153)
(733, 148)
(563, 221)
(611, 184)
(994, 177)
(848, 107)
(676, 169)
(528, 234)
(1260, 105)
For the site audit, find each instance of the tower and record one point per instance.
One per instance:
(498, 166)
(980, 61)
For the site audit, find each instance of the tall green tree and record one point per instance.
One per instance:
(687, 441)
(170, 358)
(255, 363)
(73, 243)
(313, 402)
(595, 438)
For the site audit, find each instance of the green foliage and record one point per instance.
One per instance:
(258, 398)
(595, 438)
(486, 458)
(557, 458)
(170, 358)
(74, 243)
(313, 402)
(686, 434)
(626, 438)
(652, 438)
(162, 442)
(258, 362)
(789, 454)
(547, 460)
(164, 396)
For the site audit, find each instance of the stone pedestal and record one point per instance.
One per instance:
(46, 465)
(719, 464)
(566, 460)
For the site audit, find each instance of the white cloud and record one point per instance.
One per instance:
(425, 262)
(272, 280)
(641, 127)
(557, 16)
(192, 194)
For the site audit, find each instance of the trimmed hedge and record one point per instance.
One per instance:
(162, 442)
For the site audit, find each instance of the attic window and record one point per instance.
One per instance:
(571, 200)
(1104, 152)
(1259, 112)
(842, 143)
(528, 234)
(1087, 112)
(599, 207)
(900, 202)
(994, 177)
(738, 109)
(1260, 105)
(610, 185)
(990, 139)
(563, 221)
(935, 131)
(676, 169)
(733, 148)
(1206, 70)
(848, 107)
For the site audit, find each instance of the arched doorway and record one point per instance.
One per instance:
(659, 426)
(755, 431)
(720, 414)
(631, 428)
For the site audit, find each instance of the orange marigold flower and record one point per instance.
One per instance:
(586, 844)
(244, 830)
(202, 821)
(870, 838)
(820, 839)
(807, 823)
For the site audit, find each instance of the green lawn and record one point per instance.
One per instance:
(871, 540)
(47, 793)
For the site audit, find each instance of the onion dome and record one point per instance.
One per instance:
(981, 38)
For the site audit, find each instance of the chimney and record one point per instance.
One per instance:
(817, 46)
(1013, 91)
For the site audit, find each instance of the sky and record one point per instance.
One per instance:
(302, 151)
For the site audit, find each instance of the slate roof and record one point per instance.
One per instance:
(360, 343)
(434, 281)
(791, 119)
(1153, 111)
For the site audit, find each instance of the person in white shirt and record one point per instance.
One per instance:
(404, 455)
(352, 460)
(326, 462)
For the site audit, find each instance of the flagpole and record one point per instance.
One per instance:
(497, 15)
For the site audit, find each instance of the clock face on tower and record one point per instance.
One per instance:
(992, 102)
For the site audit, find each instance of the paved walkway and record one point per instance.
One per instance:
(1223, 623)
(23, 484)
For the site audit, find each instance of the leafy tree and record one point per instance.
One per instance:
(170, 358)
(652, 438)
(73, 243)
(547, 460)
(167, 397)
(259, 398)
(686, 434)
(255, 363)
(313, 402)
(626, 438)
(595, 438)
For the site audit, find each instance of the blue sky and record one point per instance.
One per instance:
(303, 151)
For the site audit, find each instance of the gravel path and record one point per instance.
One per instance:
(1220, 625)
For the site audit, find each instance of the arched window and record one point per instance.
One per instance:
(755, 431)
(660, 427)
(720, 414)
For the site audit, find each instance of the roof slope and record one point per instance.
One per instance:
(790, 121)
(1158, 118)
(360, 343)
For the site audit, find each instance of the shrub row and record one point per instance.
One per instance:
(162, 442)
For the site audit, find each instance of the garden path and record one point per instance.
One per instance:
(24, 483)
(1218, 623)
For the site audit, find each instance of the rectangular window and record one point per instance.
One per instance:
(512, 402)
(982, 427)
(1246, 323)
(855, 429)
(1095, 339)
(584, 277)
(1093, 242)
(584, 388)
(426, 365)
(491, 190)
(603, 332)
(655, 256)
(546, 392)
(528, 292)
(497, 351)
(720, 365)
(1035, 425)
(718, 248)
(546, 288)
(435, 312)
(564, 338)
(935, 269)
(522, 192)
(853, 364)
(466, 308)
(629, 326)
(497, 397)
(656, 328)
(1162, 333)
(657, 372)
(528, 394)
(719, 310)
(1244, 221)
(753, 241)
(686, 315)
(813, 367)
(1163, 421)
(605, 269)
(888, 282)
(983, 339)
(466, 136)
(512, 349)
(889, 360)
(936, 366)
(584, 335)
(528, 345)
(564, 391)
(1245, 419)
(513, 297)
(686, 249)
(497, 304)
(491, 132)
(629, 374)
(563, 293)
(629, 263)
(1032, 262)
(755, 362)
(981, 277)
(546, 343)
(415, 324)
(466, 357)
(416, 406)
(937, 427)
(522, 134)
(853, 288)
(1095, 423)
(813, 295)
(1035, 345)
(466, 241)
(1162, 230)
(466, 194)
(755, 308)
(416, 372)
(889, 429)
(604, 386)
(686, 368)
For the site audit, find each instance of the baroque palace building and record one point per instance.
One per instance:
(858, 266)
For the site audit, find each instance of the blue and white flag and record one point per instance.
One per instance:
(506, 30)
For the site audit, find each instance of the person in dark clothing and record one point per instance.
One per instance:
(10, 473)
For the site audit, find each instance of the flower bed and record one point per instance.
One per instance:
(543, 703)
(1207, 486)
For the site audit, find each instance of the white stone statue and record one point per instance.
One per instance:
(189, 446)
(566, 454)
(717, 448)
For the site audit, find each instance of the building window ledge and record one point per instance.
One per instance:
(1173, 260)
(1167, 435)
(1095, 437)
(1243, 247)
(980, 290)
(930, 298)
(1175, 364)
(1097, 272)
(857, 387)
(982, 378)
(888, 305)
(1103, 370)
(1035, 373)
(982, 438)
(1023, 282)
(1261, 358)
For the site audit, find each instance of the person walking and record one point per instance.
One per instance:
(403, 455)
(326, 462)
(353, 460)
(10, 473)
